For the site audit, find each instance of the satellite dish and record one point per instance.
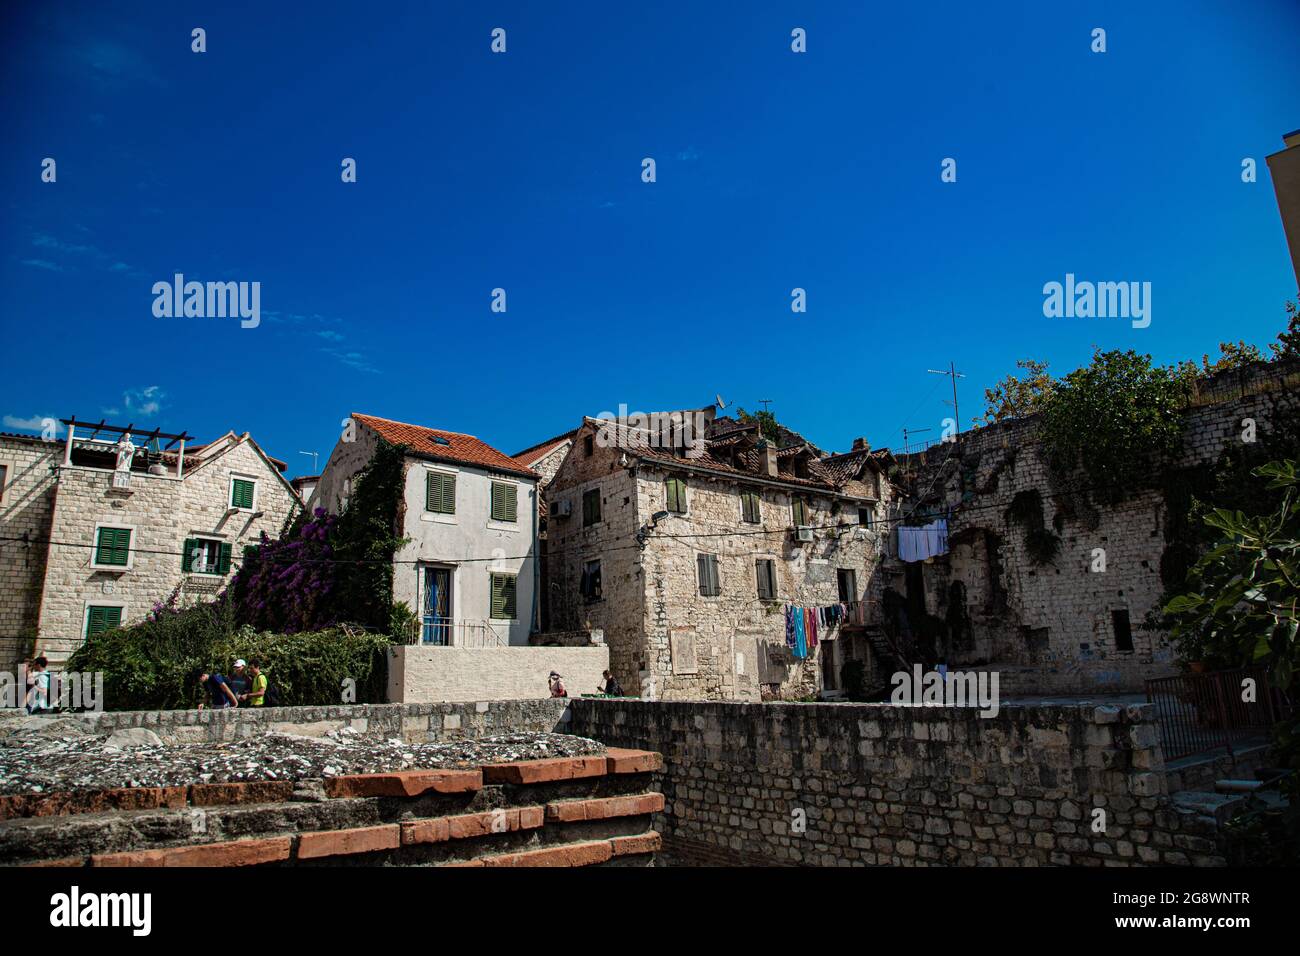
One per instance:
(721, 403)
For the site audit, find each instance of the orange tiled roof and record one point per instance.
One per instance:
(453, 446)
(541, 450)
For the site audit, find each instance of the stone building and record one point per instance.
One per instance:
(544, 458)
(687, 556)
(96, 529)
(1077, 623)
(469, 514)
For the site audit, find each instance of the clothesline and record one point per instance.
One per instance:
(804, 624)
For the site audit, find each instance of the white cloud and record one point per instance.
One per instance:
(36, 423)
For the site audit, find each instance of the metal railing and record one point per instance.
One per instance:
(1204, 713)
(435, 631)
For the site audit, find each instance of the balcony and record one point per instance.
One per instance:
(434, 631)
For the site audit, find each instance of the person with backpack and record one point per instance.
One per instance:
(256, 696)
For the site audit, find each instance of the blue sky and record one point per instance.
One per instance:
(522, 171)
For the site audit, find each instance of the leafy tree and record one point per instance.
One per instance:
(1287, 345)
(1116, 418)
(1232, 355)
(1241, 602)
(1240, 608)
(767, 423)
(1016, 397)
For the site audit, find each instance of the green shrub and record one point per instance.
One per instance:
(151, 666)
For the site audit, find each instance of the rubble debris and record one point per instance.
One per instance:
(54, 759)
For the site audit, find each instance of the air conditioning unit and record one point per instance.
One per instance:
(562, 509)
(804, 534)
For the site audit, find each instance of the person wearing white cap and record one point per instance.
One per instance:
(240, 682)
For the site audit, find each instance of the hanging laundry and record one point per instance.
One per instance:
(812, 627)
(789, 626)
(800, 637)
(927, 541)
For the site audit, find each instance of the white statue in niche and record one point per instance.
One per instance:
(125, 452)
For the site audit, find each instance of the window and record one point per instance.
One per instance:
(590, 507)
(864, 517)
(591, 581)
(242, 493)
(1123, 630)
(799, 508)
(440, 493)
(100, 619)
(4, 474)
(504, 501)
(848, 582)
(206, 556)
(766, 570)
(113, 547)
(588, 446)
(750, 508)
(707, 566)
(676, 495)
(503, 597)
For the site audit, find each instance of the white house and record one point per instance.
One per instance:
(469, 511)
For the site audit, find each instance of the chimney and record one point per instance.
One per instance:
(768, 460)
(860, 444)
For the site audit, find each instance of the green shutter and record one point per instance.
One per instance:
(101, 619)
(187, 555)
(676, 495)
(590, 507)
(503, 596)
(504, 502)
(800, 512)
(113, 546)
(440, 493)
(750, 508)
(223, 558)
(241, 494)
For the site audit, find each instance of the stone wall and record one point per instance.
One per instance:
(1051, 628)
(420, 674)
(871, 784)
(26, 507)
(415, 723)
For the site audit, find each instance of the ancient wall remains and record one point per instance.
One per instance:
(872, 784)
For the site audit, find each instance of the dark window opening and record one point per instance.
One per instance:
(591, 590)
(1123, 630)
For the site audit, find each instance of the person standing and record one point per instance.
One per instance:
(612, 686)
(38, 686)
(239, 680)
(557, 685)
(257, 696)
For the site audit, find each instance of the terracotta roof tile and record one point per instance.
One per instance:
(542, 449)
(443, 445)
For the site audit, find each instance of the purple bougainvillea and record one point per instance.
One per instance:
(286, 586)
